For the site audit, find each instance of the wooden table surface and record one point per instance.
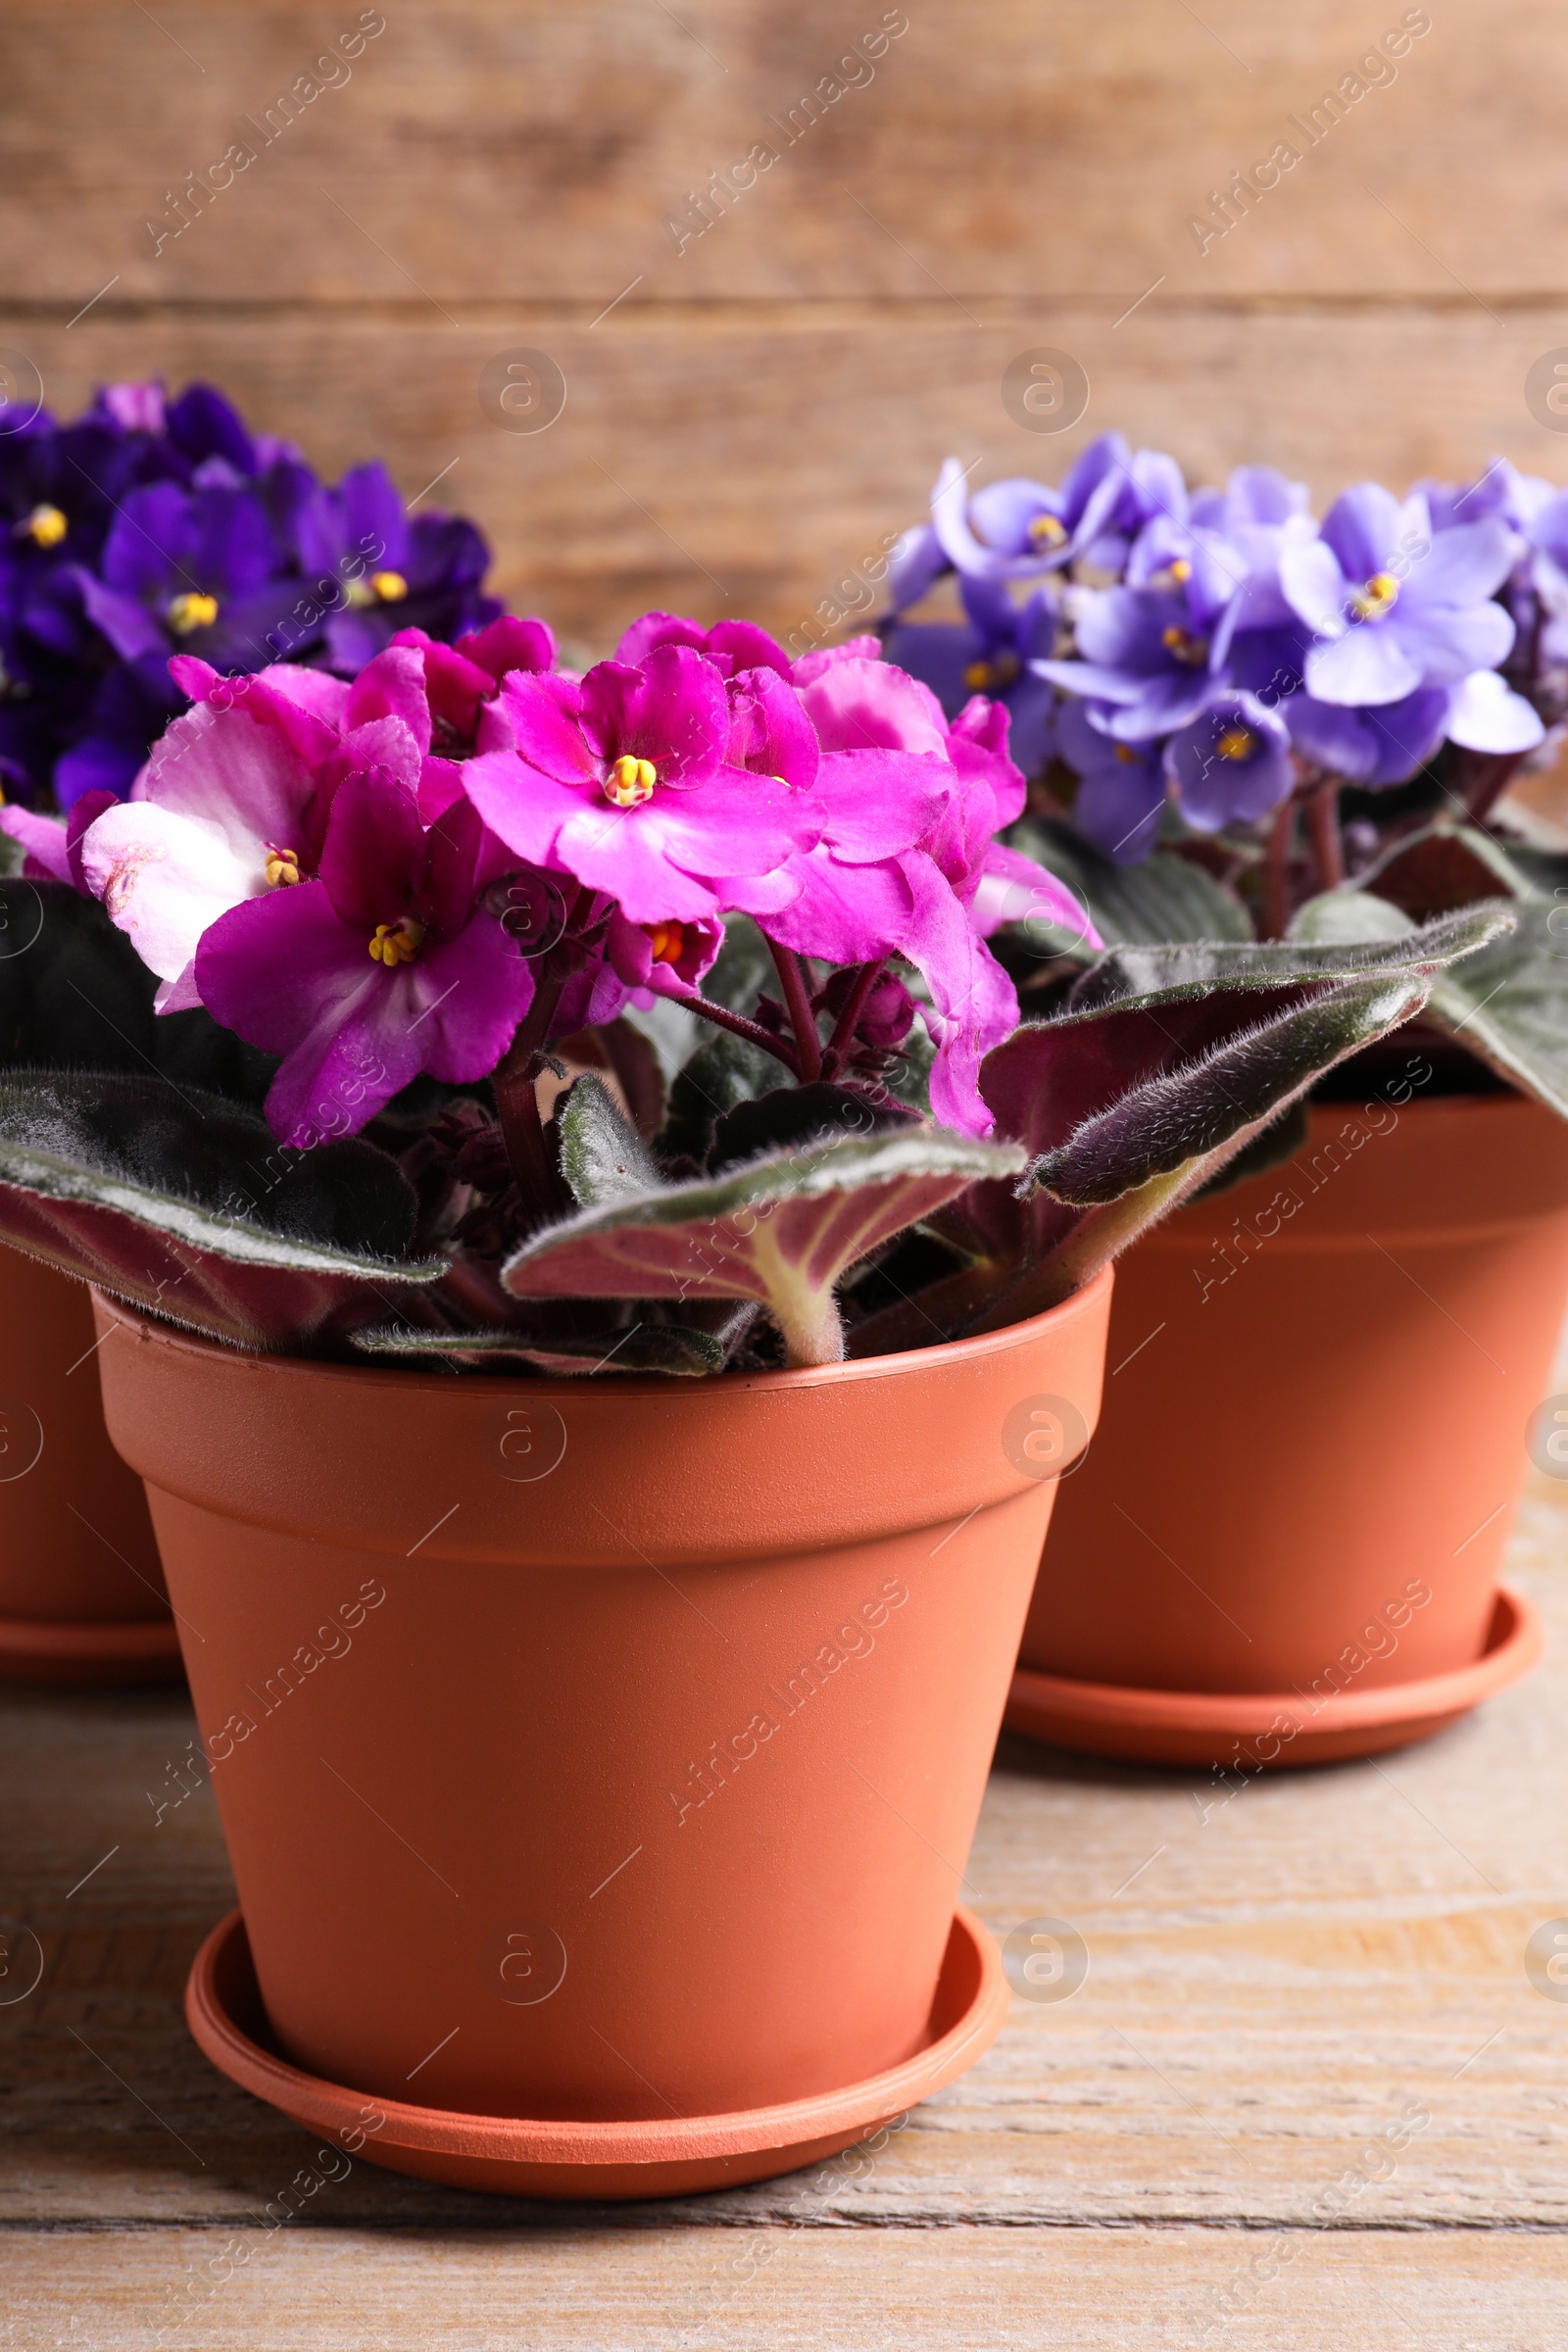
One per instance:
(1307, 2096)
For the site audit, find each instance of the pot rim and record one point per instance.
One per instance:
(628, 1388)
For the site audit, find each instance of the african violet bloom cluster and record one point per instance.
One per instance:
(335, 868)
(1212, 655)
(439, 917)
(151, 528)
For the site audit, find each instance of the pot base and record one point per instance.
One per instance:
(89, 1650)
(1237, 1730)
(514, 2157)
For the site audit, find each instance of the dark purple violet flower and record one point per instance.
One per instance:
(373, 569)
(196, 572)
(150, 527)
(130, 709)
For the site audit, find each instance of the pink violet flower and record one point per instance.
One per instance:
(909, 807)
(386, 964)
(622, 779)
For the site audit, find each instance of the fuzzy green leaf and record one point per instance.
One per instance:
(780, 1230)
(1128, 973)
(1165, 897)
(602, 1158)
(725, 1070)
(1444, 867)
(1510, 1003)
(1340, 918)
(183, 1204)
(694, 1345)
(1133, 1100)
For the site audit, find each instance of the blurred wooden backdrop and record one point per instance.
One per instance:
(760, 409)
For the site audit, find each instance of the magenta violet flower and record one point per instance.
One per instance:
(623, 780)
(730, 645)
(386, 964)
(909, 807)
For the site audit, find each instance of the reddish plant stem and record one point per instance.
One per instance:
(539, 1183)
(753, 1031)
(1494, 776)
(1323, 818)
(844, 1029)
(798, 1005)
(1276, 872)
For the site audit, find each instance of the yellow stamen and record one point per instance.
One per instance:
(982, 676)
(1047, 530)
(192, 611)
(389, 586)
(1181, 570)
(629, 781)
(397, 942)
(282, 867)
(45, 527)
(1237, 743)
(1188, 649)
(668, 941)
(1375, 598)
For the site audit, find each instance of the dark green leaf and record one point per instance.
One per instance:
(1166, 896)
(780, 1230)
(185, 1204)
(787, 1117)
(74, 994)
(1130, 1104)
(1186, 1115)
(1510, 1003)
(694, 1345)
(1270, 1147)
(602, 1158)
(723, 1071)
(1444, 867)
(1129, 973)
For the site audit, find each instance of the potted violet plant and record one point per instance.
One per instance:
(142, 528)
(1249, 731)
(601, 1419)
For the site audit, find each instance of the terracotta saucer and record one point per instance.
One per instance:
(89, 1650)
(666, 2157)
(1243, 1730)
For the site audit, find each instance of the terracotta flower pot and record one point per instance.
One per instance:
(601, 1755)
(82, 1593)
(1283, 1546)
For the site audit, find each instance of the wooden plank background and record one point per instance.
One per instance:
(762, 408)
